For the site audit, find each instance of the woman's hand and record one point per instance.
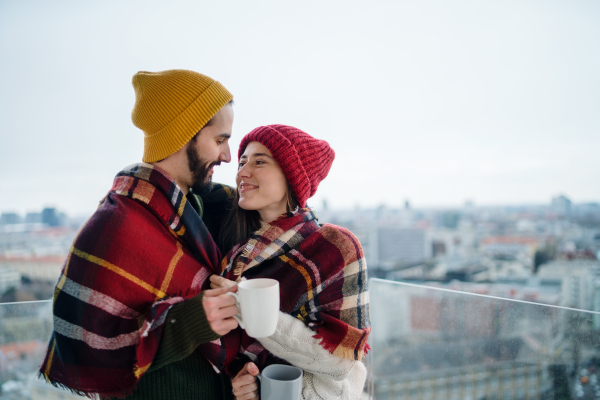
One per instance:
(244, 384)
(217, 282)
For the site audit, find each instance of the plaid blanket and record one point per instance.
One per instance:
(323, 282)
(142, 251)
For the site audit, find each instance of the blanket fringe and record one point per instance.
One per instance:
(90, 395)
(58, 385)
(339, 350)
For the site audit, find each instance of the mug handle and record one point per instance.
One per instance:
(238, 316)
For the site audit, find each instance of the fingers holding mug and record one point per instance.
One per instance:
(217, 282)
(219, 308)
(244, 384)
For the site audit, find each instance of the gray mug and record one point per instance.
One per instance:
(281, 382)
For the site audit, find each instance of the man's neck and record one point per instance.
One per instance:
(173, 172)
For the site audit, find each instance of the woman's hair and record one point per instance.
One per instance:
(239, 224)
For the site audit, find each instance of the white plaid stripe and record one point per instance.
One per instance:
(98, 299)
(175, 223)
(93, 340)
(175, 195)
(291, 238)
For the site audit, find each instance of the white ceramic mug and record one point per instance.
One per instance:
(258, 302)
(281, 382)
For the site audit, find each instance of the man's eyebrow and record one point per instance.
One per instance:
(225, 135)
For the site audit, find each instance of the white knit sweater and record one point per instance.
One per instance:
(325, 376)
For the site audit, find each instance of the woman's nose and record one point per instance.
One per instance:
(244, 172)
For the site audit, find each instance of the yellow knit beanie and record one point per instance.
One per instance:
(172, 106)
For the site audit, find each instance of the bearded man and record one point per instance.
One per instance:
(132, 305)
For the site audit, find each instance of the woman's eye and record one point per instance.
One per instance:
(259, 162)
(240, 165)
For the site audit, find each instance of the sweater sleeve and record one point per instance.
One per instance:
(325, 376)
(185, 328)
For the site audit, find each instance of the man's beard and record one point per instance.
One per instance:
(201, 181)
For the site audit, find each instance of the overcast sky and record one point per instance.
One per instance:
(434, 101)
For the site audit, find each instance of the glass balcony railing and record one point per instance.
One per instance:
(430, 343)
(427, 343)
(24, 331)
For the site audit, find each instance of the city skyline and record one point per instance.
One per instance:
(435, 102)
(35, 213)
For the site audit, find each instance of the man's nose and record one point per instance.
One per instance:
(225, 156)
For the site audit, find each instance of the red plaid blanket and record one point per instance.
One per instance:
(323, 282)
(142, 251)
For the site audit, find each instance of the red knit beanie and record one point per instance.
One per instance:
(304, 160)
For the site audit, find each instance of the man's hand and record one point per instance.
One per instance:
(217, 282)
(220, 309)
(244, 384)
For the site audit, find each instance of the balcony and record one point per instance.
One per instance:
(427, 343)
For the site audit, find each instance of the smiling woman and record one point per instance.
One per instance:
(261, 183)
(324, 316)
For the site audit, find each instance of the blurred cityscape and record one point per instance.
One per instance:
(546, 253)
(434, 337)
(33, 249)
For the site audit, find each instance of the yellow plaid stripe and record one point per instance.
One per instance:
(103, 263)
(143, 191)
(172, 265)
(63, 277)
(139, 371)
(182, 206)
(304, 274)
(49, 364)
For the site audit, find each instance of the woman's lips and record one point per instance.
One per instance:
(245, 187)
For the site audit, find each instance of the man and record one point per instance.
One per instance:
(131, 304)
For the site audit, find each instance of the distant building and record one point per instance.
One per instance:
(596, 303)
(538, 290)
(561, 205)
(391, 247)
(34, 241)
(9, 278)
(579, 281)
(50, 217)
(453, 243)
(502, 380)
(450, 220)
(10, 219)
(33, 218)
(509, 246)
(430, 344)
(15, 352)
(44, 268)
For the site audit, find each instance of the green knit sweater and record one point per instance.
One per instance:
(179, 371)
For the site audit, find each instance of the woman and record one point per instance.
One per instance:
(324, 320)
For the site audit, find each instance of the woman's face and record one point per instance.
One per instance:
(261, 183)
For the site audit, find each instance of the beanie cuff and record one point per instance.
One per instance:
(174, 136)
